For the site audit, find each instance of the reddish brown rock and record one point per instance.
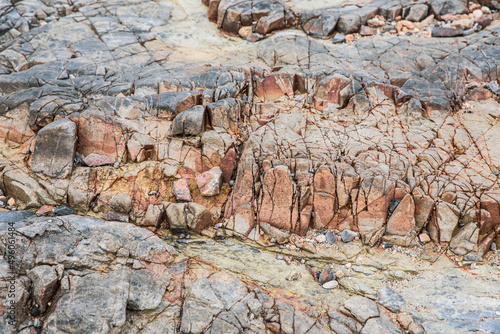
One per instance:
(228, 164)
(305, 220)
(99, 134)
(326, 275)
(331, 86)
(44, 210)
(278, 208)
(373, 200)
(367, 31)
(402, 221)
(324, 197)
(210, 182)
(278, 84)
(490, 201)
(181, 190)
(94, 159)
(243, 187)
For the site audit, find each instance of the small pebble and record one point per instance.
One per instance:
(321, 238)
(279, 256)
(330, 237)
(330, 285)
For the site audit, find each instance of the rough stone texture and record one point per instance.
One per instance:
(181, 190)
(362, 308)
(402, 220)
(210, 182)
(307, 134)
(55, 149)
(45, 280)
(121, 203)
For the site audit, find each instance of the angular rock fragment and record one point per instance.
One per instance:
(45, 281)
(417, 12)
(278, 206)
(181, 190)
(402, 220)
(210, 182)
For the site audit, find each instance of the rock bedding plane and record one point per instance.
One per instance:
(225, 166)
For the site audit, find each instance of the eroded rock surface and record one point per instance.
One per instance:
(159, 119)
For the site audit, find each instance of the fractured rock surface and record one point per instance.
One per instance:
(159, 119)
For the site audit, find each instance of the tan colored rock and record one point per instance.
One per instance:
(424, 237)
(121, 203)
(155, 216)
(443, 223)
(244, 32)
(465, 240)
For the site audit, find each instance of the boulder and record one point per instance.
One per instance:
(417, 13)
(55, 149)
(121, 203)
(187, 216)
(191, 122)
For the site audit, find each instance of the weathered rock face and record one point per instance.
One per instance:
(55, 149)
(142, 112)
(307, 134)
